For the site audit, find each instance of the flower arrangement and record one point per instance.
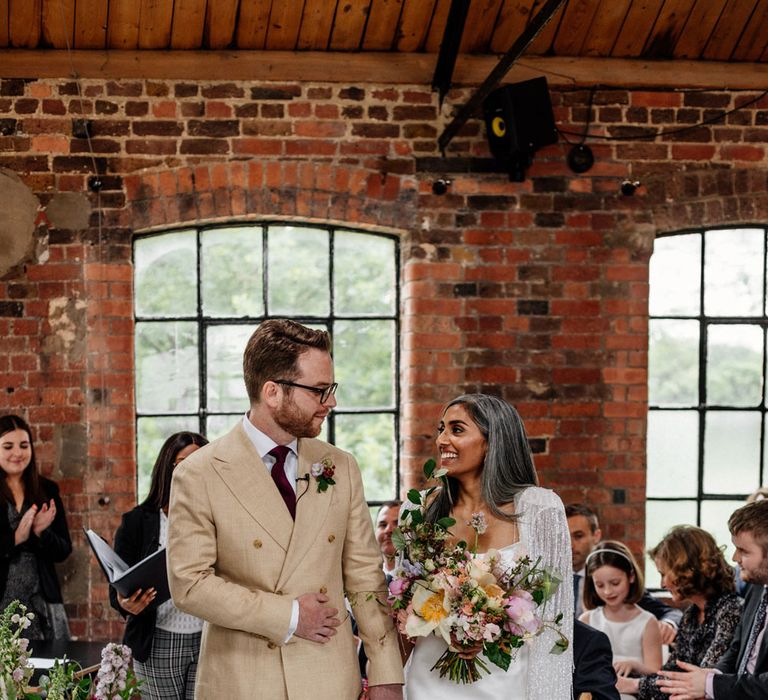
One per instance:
(15, 669)
(323, 472)
(476, 604)
(115, 679)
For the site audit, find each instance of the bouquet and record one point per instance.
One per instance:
(475, 604)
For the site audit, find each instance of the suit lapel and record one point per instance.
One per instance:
(311, 510)
(241, 468)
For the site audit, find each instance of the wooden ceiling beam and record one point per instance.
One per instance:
(374, 67)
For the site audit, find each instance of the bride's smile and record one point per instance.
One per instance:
(460, 442)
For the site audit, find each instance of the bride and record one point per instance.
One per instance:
(483, 445)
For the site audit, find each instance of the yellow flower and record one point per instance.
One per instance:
(493, 591)
(430, 613)
(432, 609)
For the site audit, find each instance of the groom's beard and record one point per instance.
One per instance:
(295, 422)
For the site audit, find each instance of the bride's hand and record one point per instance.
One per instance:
(466, 651)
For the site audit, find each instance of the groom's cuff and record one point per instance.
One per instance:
(294, 621)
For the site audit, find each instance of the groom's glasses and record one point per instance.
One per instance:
(324, 393)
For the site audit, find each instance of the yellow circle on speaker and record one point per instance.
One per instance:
(498, 126)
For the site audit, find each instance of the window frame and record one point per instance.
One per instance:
(203, 323)
(702, 407)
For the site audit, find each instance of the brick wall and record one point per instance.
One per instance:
(536, 291)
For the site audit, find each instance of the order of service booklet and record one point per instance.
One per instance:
(150, 572)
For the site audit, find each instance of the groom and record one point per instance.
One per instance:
(265, 557)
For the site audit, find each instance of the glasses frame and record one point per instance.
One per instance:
(324, 394)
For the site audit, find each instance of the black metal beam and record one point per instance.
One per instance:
(497, 74)
(449, 47)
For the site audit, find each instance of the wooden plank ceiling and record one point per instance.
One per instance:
(702, 30)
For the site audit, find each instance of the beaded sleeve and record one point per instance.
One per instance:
(544, 533)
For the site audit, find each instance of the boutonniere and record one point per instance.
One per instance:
(323, 472)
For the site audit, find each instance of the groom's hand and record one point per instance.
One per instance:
(317, 623)
(385, 692)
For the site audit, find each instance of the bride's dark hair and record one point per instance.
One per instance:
(508, 466)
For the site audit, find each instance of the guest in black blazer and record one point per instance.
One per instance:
(33, 533)
(593, 664)
(165, 641)
(742, 672)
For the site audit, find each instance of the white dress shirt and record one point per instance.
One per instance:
(264, 444)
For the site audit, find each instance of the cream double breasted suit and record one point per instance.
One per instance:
(238, 560)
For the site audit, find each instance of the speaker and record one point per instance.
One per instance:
(519, 121)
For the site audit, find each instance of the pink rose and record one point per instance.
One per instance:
(520, 608)
(398, 586)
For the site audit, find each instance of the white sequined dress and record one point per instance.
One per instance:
(535, 674)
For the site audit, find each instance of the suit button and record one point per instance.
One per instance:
(271, 645)
(279, 592)
(331, 538)
(323, 590)
(257, 544)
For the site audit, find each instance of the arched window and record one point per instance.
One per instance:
(200, 292)
(706, 378)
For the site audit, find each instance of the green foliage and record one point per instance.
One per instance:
(371, 438)
(364, 353)
(298, 254)
(498, 656)
(364, 274)
(734, 375)
(165, 276)
(232, 272)
(673, 367)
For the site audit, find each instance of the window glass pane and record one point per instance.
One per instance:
(673, 453)
(731, 451)
(733, 272)
(371, 439)
(166, 367)
(298, 271)
(734, 365)
(364, 274)
(714, 519)
(364, 353)
(165, 275)
(660, 516)
(151, 433)
(218, 426)
(675, 276)
(224, 376)
(673, 363)
(232, 273)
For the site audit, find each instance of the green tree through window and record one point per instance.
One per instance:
(706, 378)
(200, 292)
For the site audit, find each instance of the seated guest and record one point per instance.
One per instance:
(386, 522)
(742, 672)
(592, 664)
(693, 569)
(33, 534)
(742, 586)
(585, 536)
(164, 640)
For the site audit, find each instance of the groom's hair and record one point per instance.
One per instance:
(273, 351)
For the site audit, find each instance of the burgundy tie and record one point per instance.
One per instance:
(281, 480)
